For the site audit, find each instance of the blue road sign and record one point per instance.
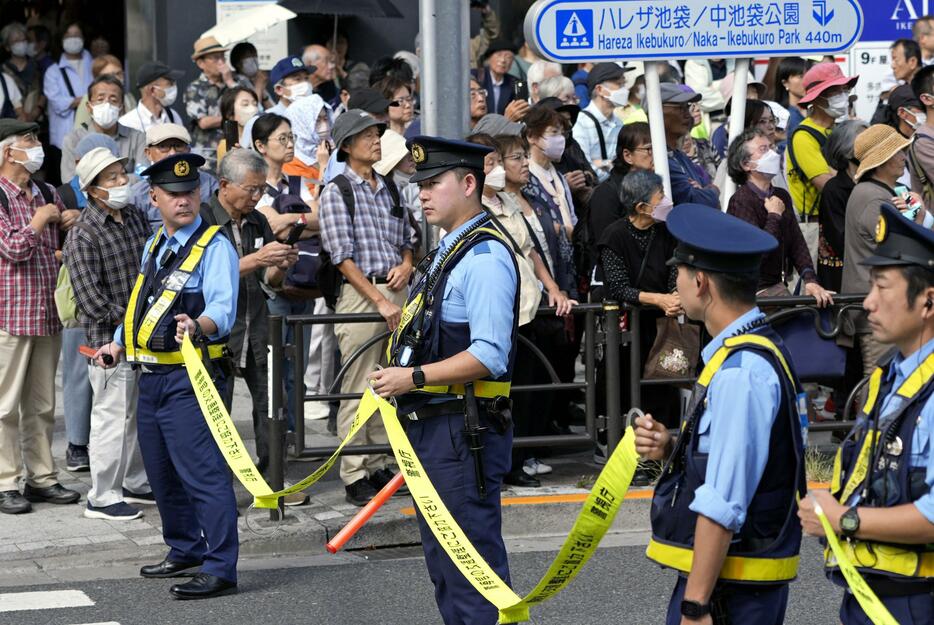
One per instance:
(571, 31)
(888, 20)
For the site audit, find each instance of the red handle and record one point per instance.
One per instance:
(335, 544)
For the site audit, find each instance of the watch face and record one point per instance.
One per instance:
(848, 522)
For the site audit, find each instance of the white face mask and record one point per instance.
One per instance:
(837, 105)
(244, 113)
(105, 114)
(73, 45)
(496, 179)
(20, 48)
(169, 94)
(299, 90)
(919, 119)
(661, 210)
(619, 97)
(34, 158)
(769, 164)
(117, 197)
(250, 66)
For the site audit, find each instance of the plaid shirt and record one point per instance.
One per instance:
(375, 239)
(28, 267)
(103, 265)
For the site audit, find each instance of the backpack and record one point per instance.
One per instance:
(600, 138)
(303, 274)
(329, 277)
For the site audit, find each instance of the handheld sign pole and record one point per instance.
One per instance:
(656, 115)
(737, 121)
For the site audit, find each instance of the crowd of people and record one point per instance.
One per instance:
(319, 141)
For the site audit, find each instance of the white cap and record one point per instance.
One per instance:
(93, 163)
(393, 149)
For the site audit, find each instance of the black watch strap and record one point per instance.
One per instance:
(418, 377)
(694, 609)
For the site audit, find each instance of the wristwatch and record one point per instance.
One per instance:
(418, 377)
(849, 522)
(198, 334)
(694, 609)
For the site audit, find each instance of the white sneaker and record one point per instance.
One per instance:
(315, 410)
(534, 467)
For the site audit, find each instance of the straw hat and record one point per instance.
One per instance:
(93, 163)
(207, 45)
(876, 145)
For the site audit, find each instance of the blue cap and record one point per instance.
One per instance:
(96, 140)
(288, 66)
(901, 242)
(177, 173)
(436, 155)
(711, 240)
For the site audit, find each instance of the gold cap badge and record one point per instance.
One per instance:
(181, 169)
(880, 230)
(418, 153)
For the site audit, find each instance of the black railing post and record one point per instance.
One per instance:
(298, 382)
(276, 416)
(590, 372)
(613, 426)
(635, 359)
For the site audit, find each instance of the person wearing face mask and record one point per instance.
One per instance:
(826, 98)
(238, 104)
(905, 113)
(597, 127)
(290, 81)
(397, 164)
(64, 84)
(881, 153)
(921, 152)
(245, 61)
(101, 254)
(20, 73)
(752, 163)
(105, 97)
(101, 65)
(158, 90)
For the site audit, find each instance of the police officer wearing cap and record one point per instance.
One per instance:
(880, 500)
(723, 509)
(452, 359)
(188, 284)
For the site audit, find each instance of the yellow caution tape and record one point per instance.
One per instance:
(593, 521)
(872, 606)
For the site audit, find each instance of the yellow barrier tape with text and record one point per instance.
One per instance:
(872, 606)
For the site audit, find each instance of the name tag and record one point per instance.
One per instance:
(258, 243)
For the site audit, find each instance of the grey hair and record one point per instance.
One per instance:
(536, 72)
(10, 29)
(638, 187)
(237, 163)
(737, 155)
(4, 144)
(553, 87)
(838, 151)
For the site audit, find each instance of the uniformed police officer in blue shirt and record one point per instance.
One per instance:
(881, 498)
(452, 360)
(187, 284)
(723, 509)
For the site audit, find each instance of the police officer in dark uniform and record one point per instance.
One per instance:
(881, 499)
(723, 510)
(188, 283)
(452, 360)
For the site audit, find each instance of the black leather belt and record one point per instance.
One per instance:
(899, 588)
(430, 411)
(373, 280)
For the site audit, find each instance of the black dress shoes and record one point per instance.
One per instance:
(203, 586)
(11, 502)
(521, 478)
(56, 493)
(167, 568)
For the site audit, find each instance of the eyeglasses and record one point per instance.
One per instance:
(252, 191)
(284, 139)
(408, 100)
(478, 92)
(647, 149)
(518, 156)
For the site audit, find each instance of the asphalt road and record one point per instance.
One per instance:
(391, 587)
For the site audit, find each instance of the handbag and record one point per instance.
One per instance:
(675, 351)
(813, 357)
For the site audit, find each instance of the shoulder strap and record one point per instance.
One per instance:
(7, 102)
(346, 190)
(499, 226)
(818, 136)
(295, 185)
(44, 190)
(71, 90)
(731, 344)
(916, 167)
(596, 124)
(645, 259)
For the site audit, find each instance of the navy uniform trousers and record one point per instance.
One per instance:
(190, 479)
(746, 604)
(909, 610)
(440, 444)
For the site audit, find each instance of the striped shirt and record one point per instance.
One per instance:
(28, 267)
(376, 238)
(103, 265)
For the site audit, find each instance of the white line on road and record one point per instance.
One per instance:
(44, 600)
(107, 623)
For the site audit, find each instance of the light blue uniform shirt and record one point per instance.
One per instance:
(743, 400)
(220, 262)
(481, 291)
(923, 437)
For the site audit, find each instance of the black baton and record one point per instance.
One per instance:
(472, 430)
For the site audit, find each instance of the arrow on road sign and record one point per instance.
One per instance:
(820, 12)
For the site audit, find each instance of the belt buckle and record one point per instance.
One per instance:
(146, 369)
(412, 416)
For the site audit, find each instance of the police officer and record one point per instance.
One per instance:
(722, 514)
(452, 358)
(174, 296)
(880, 499)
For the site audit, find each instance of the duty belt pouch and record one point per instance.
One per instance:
(499, 412)
(719, 608)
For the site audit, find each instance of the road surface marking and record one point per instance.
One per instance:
(44, 600)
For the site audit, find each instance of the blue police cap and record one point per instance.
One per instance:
(901, 242)
(176, 173)
(288, 66)
(436, 155)
(711, 240)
